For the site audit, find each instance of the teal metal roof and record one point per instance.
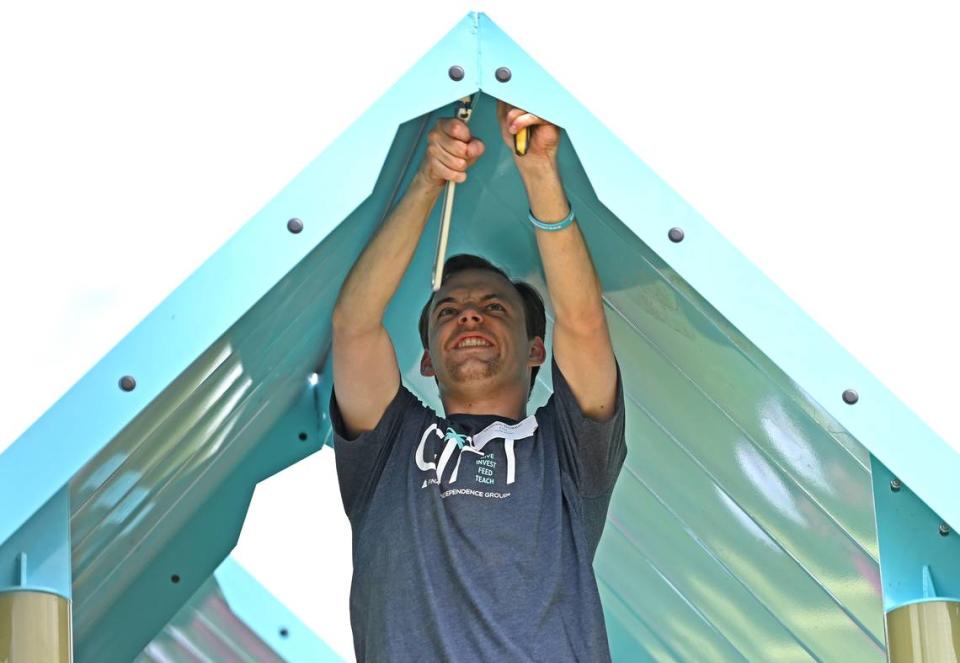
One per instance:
(742, 526)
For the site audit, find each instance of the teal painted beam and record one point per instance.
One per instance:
(37, 556)
(919, 552)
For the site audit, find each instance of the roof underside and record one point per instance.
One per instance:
(741, 527)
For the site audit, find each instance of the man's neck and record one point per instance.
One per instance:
(509, 403)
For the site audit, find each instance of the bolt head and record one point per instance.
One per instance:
(503, 74)
(944, 529)
(295, 225)
(675, 235)
(455, 72)
(850, 396)
(127, 383)
(896, 485)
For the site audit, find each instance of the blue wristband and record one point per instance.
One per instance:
(559, 225)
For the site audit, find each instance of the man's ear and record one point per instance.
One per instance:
(538, 352)
(426, 365)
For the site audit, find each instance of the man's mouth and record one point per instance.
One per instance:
(473, 342)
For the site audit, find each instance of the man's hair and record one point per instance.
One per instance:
(533, 311)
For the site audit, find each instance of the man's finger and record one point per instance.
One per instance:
(513, 114)
(475, 148)
(455, 128)
(453, 161)
(454, 146)
(522, 121)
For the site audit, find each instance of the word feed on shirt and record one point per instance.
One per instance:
(485, 468)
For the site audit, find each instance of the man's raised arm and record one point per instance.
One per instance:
(581, 340)
(365, 372)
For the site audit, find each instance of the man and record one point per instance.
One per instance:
(474, 533)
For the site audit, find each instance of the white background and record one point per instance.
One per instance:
(820, 137)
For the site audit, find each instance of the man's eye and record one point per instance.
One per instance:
(496, 307)
(445, 311)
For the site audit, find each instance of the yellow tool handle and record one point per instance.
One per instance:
(520, 141)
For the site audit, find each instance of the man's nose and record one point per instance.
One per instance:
(470, 314)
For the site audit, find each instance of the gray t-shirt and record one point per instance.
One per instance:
(493, 561)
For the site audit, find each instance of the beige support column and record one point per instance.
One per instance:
(35, 628)
(927, 632)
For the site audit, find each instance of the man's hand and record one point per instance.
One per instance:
(543, 141)
(451, 150)
(365, 372)
(581, 340)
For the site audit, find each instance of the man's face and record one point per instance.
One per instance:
(477, 333)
